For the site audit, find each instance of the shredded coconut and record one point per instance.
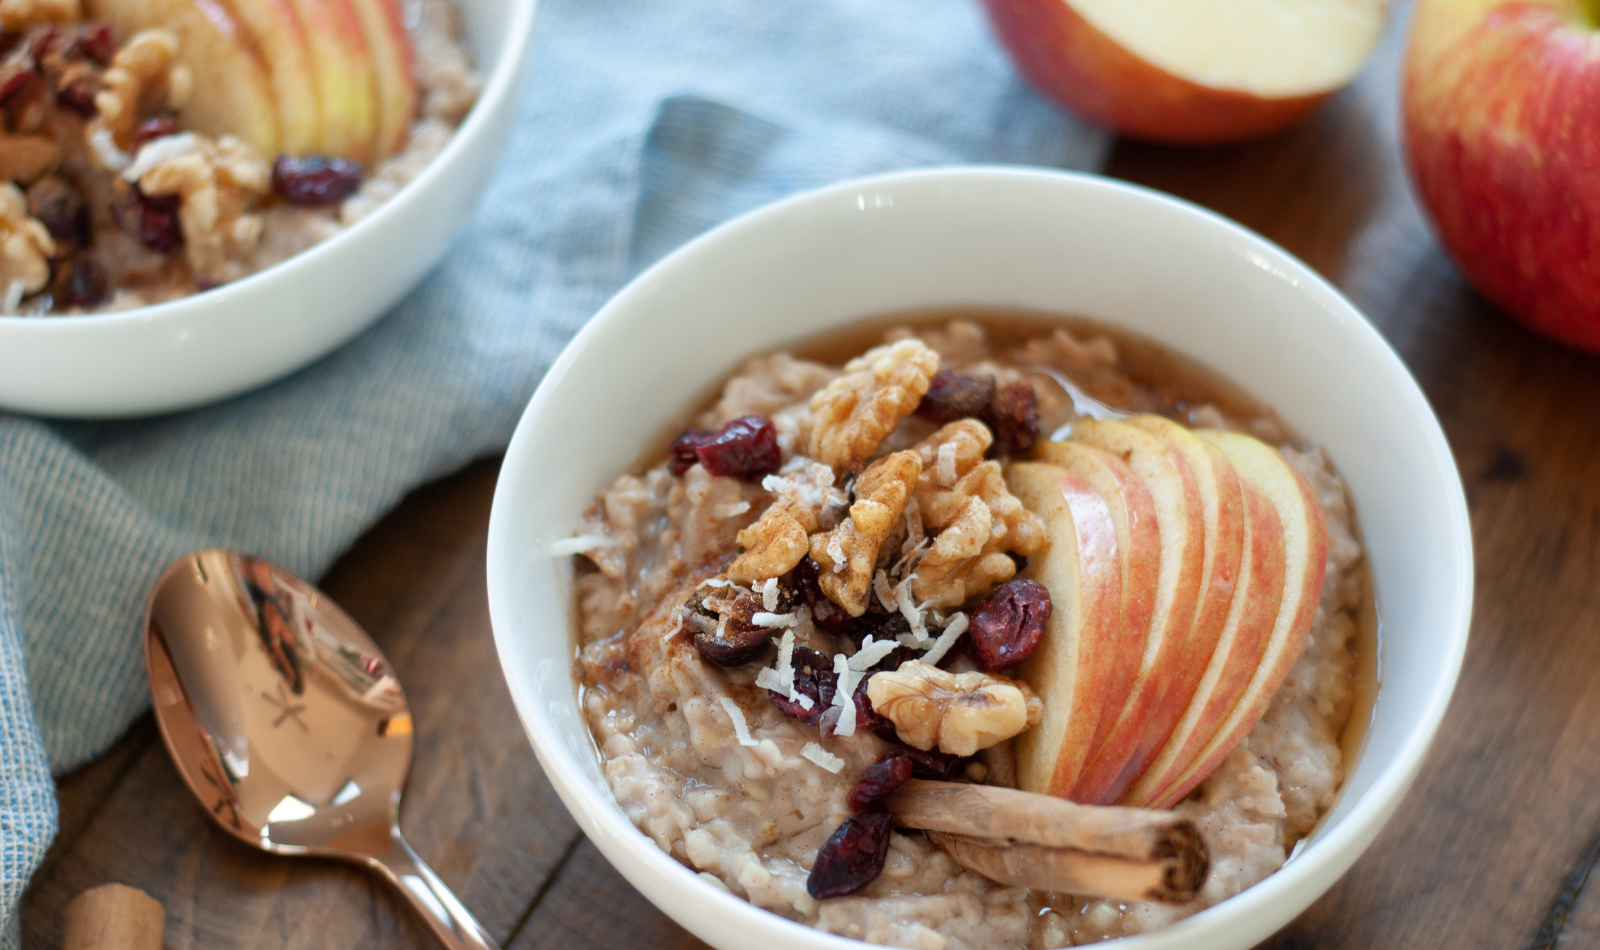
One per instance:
(884, 590)
(916, 535)
(159, 150)
(955, 628)
(762, 618)
(741, 729)
(769, 678)
(836, 552)
(822, 757)
(580, 544)
(105, 149)
(730, 509)
(769, 591)
(871, 652)
(844, 696)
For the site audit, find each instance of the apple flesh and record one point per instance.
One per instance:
(1305, 540)
(1071, 667)
(1189, 71)
(1501, 105)
(346, 85)
(232, 93)
(286, 50)
(1133, 515)
(393, 69)
(1157, 699)
(1243, 642)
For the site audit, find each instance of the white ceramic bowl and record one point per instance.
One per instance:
(217, 344)
(1045, 240)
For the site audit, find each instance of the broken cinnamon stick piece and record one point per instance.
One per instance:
(1076, 872)
(1008, 816)
(113, 917)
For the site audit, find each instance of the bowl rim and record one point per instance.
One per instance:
(1317, 866)
(500, 83)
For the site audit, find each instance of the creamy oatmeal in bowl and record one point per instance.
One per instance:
(835, 645)
(981, 552)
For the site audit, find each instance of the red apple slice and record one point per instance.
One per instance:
(1071, 666)
(1156, 702)
(232, 93)
(393, 68)
(1251, 618)
(286, 50)
(1305, 537)
(1189, 70)
(1133, 513)
(346, 87)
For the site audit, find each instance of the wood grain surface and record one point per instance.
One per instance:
(1493, 847)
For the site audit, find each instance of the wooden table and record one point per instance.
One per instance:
(1492, 848)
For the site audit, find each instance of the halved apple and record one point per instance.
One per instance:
(1305, 537)
(1133, 514)
(1070, 669)
(285, 47)
(232, 92)
(393, 69)
(1157, 699)
(1248, 631)
(1190, 70)
(346, 88)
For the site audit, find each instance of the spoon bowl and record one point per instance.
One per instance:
(288, 724)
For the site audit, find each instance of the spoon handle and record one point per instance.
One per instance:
(449, 921)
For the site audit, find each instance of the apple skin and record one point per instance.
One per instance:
(1078, 65)
(394, 71)
(1501, 118)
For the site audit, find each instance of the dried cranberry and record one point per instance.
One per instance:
(96, 41)
(8, 41)
(61, 209)
(952, 396)
(315, 181)
(1007, 626)
(815, 680)
(43, 43)
(878, 780)
(724, 628)
(151, 129)
(852, 858)
(159, 229)
(870, 719)
(744, 448)
(1014, 417)
(13, 77)
(76, 93)
(84, 283)
(824, 612)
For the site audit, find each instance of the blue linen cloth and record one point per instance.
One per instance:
(643, 122)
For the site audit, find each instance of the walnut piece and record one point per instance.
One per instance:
(807, 502)
(216, 180)
(25, 248)
(965, 500)
(26, 158)
(961, 713)
(848, 555)
(19, 15)
(143, 79)
(854, 413)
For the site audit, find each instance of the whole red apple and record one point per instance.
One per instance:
(1189, 71)
(1502, 130)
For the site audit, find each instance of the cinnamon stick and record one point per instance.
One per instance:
(113, 917)
(1076, 872)
(1049, 843)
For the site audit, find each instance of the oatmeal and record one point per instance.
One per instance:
(832, 584)
(161, 150)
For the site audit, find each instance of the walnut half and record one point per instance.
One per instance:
(847, 555)
(854, 413)
(961, 713)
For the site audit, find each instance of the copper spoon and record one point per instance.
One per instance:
(288, 724)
